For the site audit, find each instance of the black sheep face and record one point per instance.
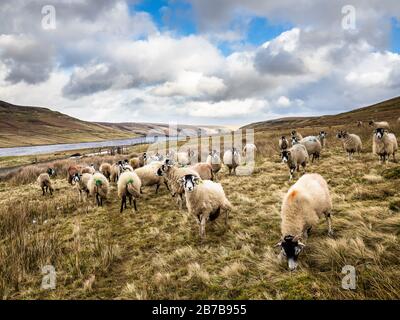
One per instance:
(291, 249)
(379, 133)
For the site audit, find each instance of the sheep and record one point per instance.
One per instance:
(322, 138)
(380, 124)
(44, 181)
(295, 157)
(249, 152)
(359, 123)
(116, 170)
(81, 182)
(135, 163)
(304, 204)
(351, 143)
(129, 185)
(205, 200)
(297, 135)
(71, 171)
(283, 143)
(313, 146)
(148, 175)
(98, 187)
(184, 158)
(126, 166)
(214, 160)
(204, 170)
(294, 140)
(172, 175)
(384, 144)
(91, 169)
(232, 159)
(105, 169)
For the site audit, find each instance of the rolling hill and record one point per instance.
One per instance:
(28, 126)
(384, 111)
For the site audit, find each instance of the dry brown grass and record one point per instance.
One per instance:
(156, 253)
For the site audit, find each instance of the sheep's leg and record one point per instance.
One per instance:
(130, 200)
(291, 173)
(230, 170)
(158, 186)
(97, 199)
(43, 190)
(134, 204)
(394, 157)
(141, 190)
(51, 191)
(166, 184)
(329, 221)
(203, 227)
(122, 203)
(101, 201)
(226, 218)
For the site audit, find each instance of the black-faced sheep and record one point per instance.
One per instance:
(44, 181)
(81, 182)
(116, 170)
(249, 152)
(313, 146)
(232, 159)
(148, 175)
(295, 157)
(296, 135)
(384, 144)
(214, 160)
(283, 143)
(351, 143)
(129, 185)
(72, 171)
(205, 200)
(304, 204)
(204, 170)
(98, 187)
(90, 169)
(105, 169)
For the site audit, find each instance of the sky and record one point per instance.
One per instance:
(217, 62)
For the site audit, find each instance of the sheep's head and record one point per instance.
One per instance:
(291, 248)
(285, 156)
(76, 178)
(379, 133)
(371, 123)
(51, 172)
(294, 132)
(189, 182)
(322, 134)
(295, 140)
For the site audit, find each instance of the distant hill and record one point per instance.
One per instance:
(27, 126)
(384, 111)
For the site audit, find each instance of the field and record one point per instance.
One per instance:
(156, 253)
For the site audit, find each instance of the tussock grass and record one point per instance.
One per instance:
(156, 253)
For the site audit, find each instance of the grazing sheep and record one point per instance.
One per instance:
(304, 204)
(173, 175)
(129, 185)
(313, 146)
(359, 123)
(135, 163)
(351, 143)
(380, 124)
(72, 171)
(322, 138)
(214, 160)
(296, 135)
(116, 170)
(91, 169)
(45, 183)
(295, 157)
(249, 152)
(283, 143)
(384, 144)
(105, 169)
(81, 183)
(232, 159)
(148, 175)
(205, 200)
(204, 170)
(98, 187)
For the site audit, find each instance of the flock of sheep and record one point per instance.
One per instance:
(304, 204)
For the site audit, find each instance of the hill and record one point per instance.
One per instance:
(384, 111)
(27, 126)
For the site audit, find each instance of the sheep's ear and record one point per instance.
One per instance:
(301, 244)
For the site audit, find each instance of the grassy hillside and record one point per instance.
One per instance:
(384, 111)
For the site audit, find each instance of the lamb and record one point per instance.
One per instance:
(45, 183)
(283, 143)
(129, 186)
(351, 143)
(91, 169)
(72, 171)
(295, 157)
(204, 170)
(148, 175)
(214, 160)
(322, 138)
(98, 187)
(205, 200)
(297, 135)
(105, 169)
(384, 144)
(172, 175)
(116, 170)
(313, 146)
(81, 182)
(232, 159)
(380, 124)
(249, 152)
(305, 203)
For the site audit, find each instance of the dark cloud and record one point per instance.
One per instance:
(283, 63)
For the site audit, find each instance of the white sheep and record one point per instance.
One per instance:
(129, 186)
(304, 204)
(214, 160)
(295, 157)
(380, 124)
(90, 169)
(184, 158)
(105, 169)
(384, 144)
(249, 152)
(313, 146)
(44, 181)
(205, 200)
(351, 143)
(204, 170)
(81, 182)
(232, 159)
(322, 138)
(98, 187)
(148, 175)
(116, 170)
